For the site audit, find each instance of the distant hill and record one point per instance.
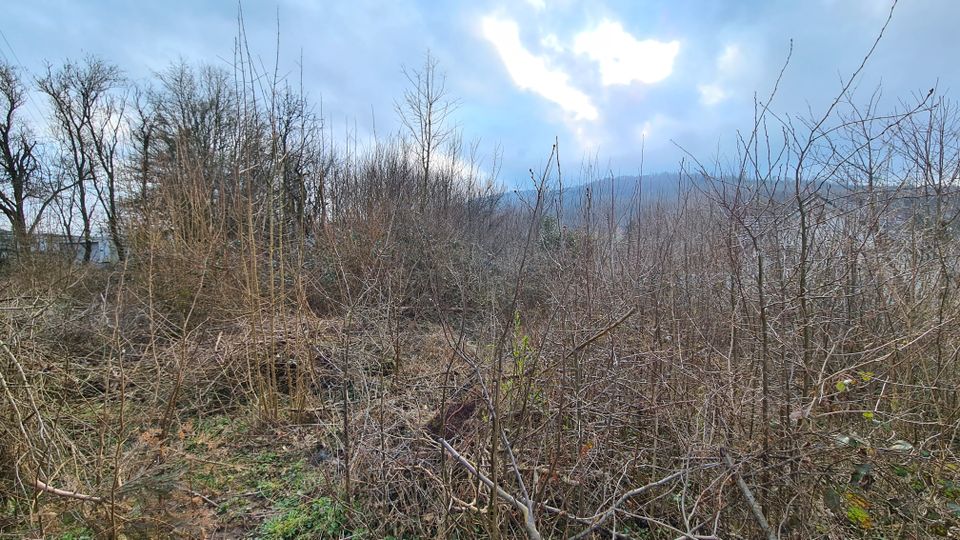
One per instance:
(626, 193)
(629, 192)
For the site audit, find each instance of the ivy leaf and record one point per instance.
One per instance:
(862, 475)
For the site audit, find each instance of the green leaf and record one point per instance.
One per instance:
(861, 473)
(859, 517)
(832, 499)
(954, 509)
(901, 471)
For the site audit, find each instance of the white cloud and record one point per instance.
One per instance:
(588, 140)
(730, 60)
(532, 72)
(538, 4)
(552, 42)
(712, 94)
(624, 59)
(659, 127)
(729, 64)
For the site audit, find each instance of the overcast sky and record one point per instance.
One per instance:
(600, 75)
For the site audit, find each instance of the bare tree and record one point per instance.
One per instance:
(425, 112)
(143, 129)
(104, 128)
(79, 95)
(22, 190)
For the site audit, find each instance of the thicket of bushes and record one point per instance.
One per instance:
(771, 354)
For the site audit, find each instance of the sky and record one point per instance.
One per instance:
(604, 78)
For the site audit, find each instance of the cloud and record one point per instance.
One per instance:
(729, 64)
(532, 72)
(730, 60)
(728, 49)
(659, 126)
(538, 4)
(712, 94)
(552, 42)
(462, 168)
(622, 58)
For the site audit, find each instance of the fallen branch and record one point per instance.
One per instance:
(42, 486)
(528, 521)
(597, 520)
(748, 495)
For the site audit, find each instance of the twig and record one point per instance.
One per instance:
(598, 519)
(205, 499)
(603, 332)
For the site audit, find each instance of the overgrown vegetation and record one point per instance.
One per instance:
(305, 340)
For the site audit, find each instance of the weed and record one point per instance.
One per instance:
(320, 518)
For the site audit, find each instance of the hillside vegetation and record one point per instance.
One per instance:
(302, 339)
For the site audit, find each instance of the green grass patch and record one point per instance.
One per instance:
(319, 518)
